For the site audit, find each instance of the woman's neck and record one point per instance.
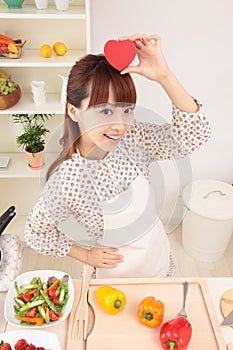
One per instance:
(96, 153)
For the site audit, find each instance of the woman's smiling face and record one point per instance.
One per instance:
(103, 126)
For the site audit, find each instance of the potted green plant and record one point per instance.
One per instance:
(32, 140)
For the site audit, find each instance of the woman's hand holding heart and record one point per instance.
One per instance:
(152, 63)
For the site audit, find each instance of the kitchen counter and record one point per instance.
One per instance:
(216, 288)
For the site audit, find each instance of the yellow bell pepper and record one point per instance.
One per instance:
(111, 299)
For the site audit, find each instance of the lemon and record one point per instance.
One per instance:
(59, 48)
(46, 51)
(3, 76)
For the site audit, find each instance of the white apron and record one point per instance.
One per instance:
(132, 225)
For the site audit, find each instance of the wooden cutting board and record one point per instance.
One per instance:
(122, 331)
(226, 303)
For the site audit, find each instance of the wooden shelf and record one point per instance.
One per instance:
(31, 12)
(18, 167)
(33, 58)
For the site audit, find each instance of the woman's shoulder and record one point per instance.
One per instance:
(140, 128)
(68, 166)
(136, 127)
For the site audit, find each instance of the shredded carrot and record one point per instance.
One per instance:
(54, 284)
(40, 321)
(33, 292)
(37, 320)
(60, 314)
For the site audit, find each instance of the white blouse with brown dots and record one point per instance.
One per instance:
(79, 185)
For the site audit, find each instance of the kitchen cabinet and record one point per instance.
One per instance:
(37, 27)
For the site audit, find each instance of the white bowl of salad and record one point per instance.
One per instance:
(39, 299)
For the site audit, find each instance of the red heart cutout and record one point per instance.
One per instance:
(119, 53)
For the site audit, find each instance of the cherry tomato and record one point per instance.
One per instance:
(55, 300)
(52, 315)
(26, 297)
(32, 312)
(52, 292)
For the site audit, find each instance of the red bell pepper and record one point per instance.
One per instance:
(176, 334)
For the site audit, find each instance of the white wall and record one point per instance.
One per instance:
(197, 42)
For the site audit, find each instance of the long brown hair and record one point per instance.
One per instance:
(90, 76)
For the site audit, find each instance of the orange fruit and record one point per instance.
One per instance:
(3, 76)
(46, 51)
(59, 48)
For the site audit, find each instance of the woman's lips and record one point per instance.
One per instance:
(113, 138)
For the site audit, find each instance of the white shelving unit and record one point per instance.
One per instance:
(37, 27)
(26, 105)
(30, 58)
(18, 168)
(29, 11)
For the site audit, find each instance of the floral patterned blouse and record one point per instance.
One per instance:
(79, 185)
